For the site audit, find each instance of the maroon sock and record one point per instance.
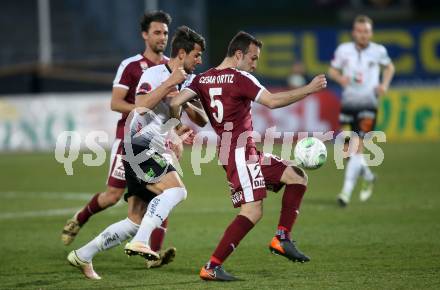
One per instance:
(236, 231)
(90, 209)
(292, 198)
(158, 235)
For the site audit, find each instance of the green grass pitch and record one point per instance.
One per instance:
(390, 242)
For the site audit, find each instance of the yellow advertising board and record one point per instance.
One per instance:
(410, 114)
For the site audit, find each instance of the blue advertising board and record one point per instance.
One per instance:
(414, 49)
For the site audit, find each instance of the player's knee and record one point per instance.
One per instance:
(304, 178)
(295, 175)
(154, 188)
(258, 216)
(253, 211)
(253, 216)
(113, 195)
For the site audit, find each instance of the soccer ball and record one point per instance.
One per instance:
(310, 153)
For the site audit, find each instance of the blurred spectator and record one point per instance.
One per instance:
(297, 77)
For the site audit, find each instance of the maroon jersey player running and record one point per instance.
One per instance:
(226, 93)
(154, 27)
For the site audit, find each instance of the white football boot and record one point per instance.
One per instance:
(139, 248)
(85, 267)
(366, 189)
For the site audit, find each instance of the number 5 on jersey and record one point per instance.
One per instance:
(216, 103)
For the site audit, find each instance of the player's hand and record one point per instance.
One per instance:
(381, 90)
(186, 134)
(177, 76)
(318, 83)
(177, 149)
(190, 139)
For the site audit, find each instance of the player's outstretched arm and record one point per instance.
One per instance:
(195, 112)
(286, 98)
(151, 99)
(176, 102)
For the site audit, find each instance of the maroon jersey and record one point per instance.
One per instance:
(226, 96)
(127, 77)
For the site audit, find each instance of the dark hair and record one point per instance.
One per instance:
(241, 41)
(185, 38)
(154, 16)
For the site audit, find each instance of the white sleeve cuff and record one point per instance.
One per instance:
(259, 94)
(121, 86)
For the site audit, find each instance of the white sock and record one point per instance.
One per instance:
(112, 236)
(157, 211)
(366, 172)
(352, 171)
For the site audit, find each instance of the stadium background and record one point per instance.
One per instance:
(57, 62)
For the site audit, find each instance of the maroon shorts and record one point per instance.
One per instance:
(250, 178)
(116, 173)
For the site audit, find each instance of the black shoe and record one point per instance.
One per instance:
(341, 202)
(287, 249)
(216, 274)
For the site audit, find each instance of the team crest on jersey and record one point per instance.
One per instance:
(256, 175)
(144, 88)
(143, 65)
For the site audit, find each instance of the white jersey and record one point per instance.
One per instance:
(362, 67)
(148, 129)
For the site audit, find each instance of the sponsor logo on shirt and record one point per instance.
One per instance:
(150, 174)
(143, 65)
(159, 160)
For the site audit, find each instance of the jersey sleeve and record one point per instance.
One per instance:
(384, 59)
(249, 86)
(147, 83)
(192, 84)
(188, 81)
(123, 77)
(337, 60)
